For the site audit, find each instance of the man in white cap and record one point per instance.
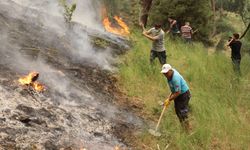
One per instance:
(179, 93)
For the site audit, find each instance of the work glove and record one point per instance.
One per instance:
(166, 102)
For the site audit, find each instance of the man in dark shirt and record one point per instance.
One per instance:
(235, 45)
(173, 27)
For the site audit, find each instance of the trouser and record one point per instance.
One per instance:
(187, 40)
(161, 56)
(236, 65)
(181, 106)
(175, 35)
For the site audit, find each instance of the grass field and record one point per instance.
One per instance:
(220, 104)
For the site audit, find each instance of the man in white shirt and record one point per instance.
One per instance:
(156, 34)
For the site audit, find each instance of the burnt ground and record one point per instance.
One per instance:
(81, 107)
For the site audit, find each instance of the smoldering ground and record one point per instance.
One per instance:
(34, 37)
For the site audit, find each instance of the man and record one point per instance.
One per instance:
(235, 45)
(187, 32)
(174, 29)
(156, 35)
(179, 93)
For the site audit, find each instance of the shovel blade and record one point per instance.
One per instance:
(154, 132)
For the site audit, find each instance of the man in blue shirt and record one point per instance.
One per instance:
(179, 93)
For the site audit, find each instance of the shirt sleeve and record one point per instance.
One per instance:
(160, 36)
(177, 85)
(150, 31)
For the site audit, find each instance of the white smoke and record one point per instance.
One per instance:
(45, 19)
(88, 13)
(50, 17)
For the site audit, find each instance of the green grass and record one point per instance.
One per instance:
(220, 102)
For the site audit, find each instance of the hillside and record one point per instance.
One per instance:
(77, 108)
(75, 75)
(220, 101)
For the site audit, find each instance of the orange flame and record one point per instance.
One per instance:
(30, 80)
(38, 86)
(123, 29)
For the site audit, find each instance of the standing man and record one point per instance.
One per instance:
(235, 45)
(187, 32)
(156, 35)
(179, 93)
(173, 27)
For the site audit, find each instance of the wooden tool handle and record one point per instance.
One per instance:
(159, 121)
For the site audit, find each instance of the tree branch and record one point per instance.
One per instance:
(245, 32)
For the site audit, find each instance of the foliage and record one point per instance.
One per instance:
(197, 12)
(127, 9)
(99, 42)
(69, 10)
(220, 101)
(241, 7)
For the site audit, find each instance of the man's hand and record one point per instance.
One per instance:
(166, 102)
(143, 27)
(144, 32)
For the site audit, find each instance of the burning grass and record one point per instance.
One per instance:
(121, 28)
(30, 81)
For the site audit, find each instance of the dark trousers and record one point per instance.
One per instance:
(161, 56)
(236, 65)
(181, 106)
(187, 40)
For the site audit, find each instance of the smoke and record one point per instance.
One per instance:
(88, 13)
(39, 25)
(50, 16)
(44, 23)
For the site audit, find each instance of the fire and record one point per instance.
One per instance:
(38, 86)
(123, 29)
(30, 80)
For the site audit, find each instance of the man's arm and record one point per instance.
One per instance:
(171, 26)
(229, 43)
(174, 95)
(177, 90)
(171, 97)
(150, 37)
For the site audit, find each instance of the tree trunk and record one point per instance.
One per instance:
(245, 32)
(213, 5)
(146, 5)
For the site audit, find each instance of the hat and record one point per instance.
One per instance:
(166, 68)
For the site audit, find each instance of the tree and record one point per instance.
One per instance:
(198, 12)
(213, 5)
(241, 7)
(145, 5)
(246, 31)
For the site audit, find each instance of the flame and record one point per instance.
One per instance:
(123, 29)
(117, 148)
(30, 80)
(38, 86)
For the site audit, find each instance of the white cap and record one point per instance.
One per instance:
(166, 68)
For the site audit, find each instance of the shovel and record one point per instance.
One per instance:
(155, 132)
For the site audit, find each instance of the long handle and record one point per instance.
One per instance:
(159, 121)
